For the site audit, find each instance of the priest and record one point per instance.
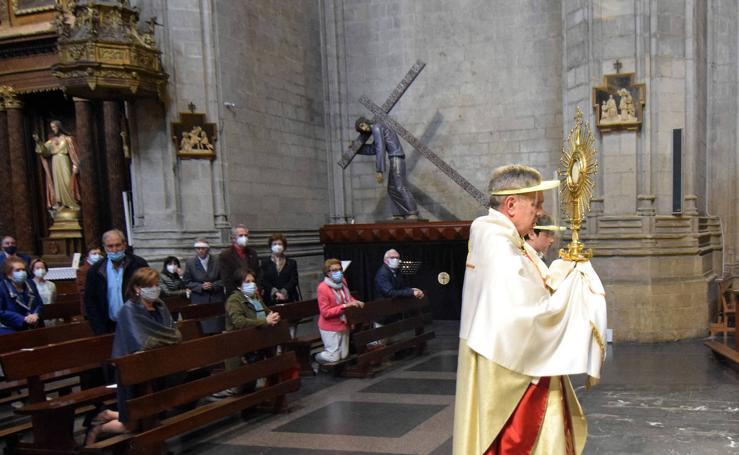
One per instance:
(524, 328)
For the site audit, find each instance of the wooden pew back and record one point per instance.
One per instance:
(141, 369)
(295, 312)
(411, 318)
(41, 337)
(203, 311)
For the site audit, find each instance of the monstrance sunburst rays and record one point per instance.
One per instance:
(576, 172)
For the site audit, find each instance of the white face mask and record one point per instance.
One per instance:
(393, 263)
(242, 241)
(39, 273)
(277, 248)
(172, 268)
(150, 294)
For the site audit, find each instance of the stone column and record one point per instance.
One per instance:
(116, 163)
(20, 185)
(6, 208)
(88, 168)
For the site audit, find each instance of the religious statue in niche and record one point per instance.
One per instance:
(195, 141)
(619, 103)
(193, 136)
(61, 166)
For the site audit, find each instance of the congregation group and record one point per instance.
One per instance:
(121, 294)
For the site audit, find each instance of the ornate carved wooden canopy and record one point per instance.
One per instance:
(102, 54)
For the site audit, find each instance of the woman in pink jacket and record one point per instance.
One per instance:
(333, 299)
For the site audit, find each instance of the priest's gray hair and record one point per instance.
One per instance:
(511, 177)
(117, 232)
(387, 253)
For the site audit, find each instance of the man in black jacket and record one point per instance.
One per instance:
(107, 281)
(389, 282)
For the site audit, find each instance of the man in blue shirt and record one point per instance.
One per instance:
(107, 281)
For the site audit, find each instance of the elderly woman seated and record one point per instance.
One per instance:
(20, 302)
(245, 308)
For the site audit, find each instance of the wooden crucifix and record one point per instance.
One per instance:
(391, 101)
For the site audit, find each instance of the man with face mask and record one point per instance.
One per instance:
(239, 257)
(389, 282)
(9, 249)
(107, 281)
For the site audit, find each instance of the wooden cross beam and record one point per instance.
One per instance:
(391, 101)
(381, 115)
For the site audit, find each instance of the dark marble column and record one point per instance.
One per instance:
(20, 184)
(89, 190)
(6, 207)
(116, 162)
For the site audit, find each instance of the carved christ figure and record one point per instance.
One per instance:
(61, 166)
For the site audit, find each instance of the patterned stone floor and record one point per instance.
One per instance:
(670, 398)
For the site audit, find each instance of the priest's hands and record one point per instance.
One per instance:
(558, 271)
(379, 177)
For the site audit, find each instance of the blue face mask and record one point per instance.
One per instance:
(19, 276)
(337, 276)
(117, 256)
(249, 289)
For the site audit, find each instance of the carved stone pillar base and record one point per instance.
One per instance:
(645, 205)
(66, 224)
(691, 205)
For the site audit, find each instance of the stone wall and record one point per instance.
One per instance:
(489, 95)
(270, 69)
(273, 133)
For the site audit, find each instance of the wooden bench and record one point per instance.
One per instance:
(175, 303)
(35, 338)
(142, 369)
(66, 311)
(386, 340)
(52, 421)
(295, 313)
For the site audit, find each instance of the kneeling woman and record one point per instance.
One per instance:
(333, 299)
(144, 323)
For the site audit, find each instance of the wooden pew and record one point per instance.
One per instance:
(175, 303)
(140, 370)
(52, 421)
(295, 313)
(35, 338)
(367, 357)
(65, 310)
(203, 311)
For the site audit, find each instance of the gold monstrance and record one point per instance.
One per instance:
(576, 172)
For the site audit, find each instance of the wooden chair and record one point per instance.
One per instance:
(140, 370)
(727, 303)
